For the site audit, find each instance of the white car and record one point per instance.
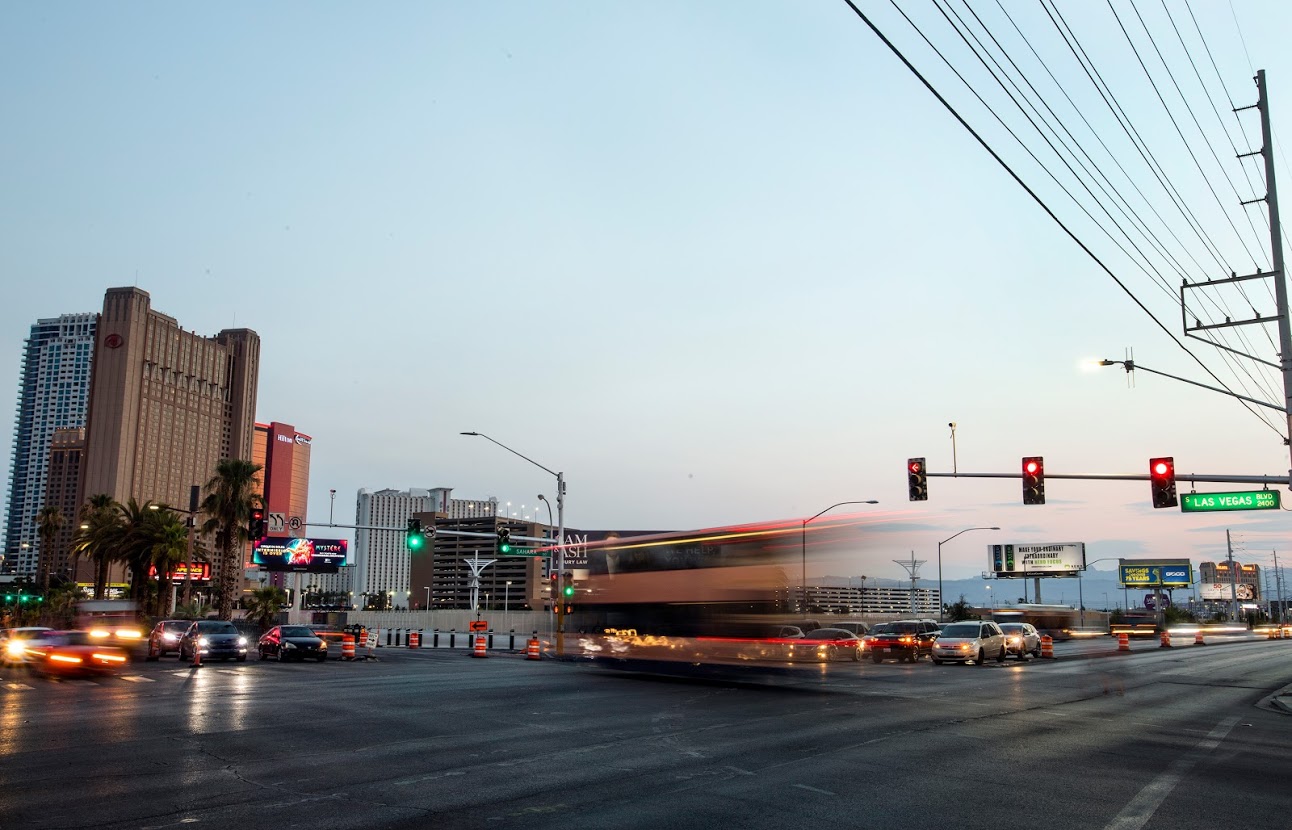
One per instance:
(1021, 639)
(14, 642)
(970, 641)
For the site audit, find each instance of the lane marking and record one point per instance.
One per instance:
(1141, 808)
(813, 789)
(17, 686)
(137, 678)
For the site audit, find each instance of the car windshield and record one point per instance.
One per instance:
(296, 631)
(175, 625)
(882, 628)
(1011, 627)
(216, 627)
(960, 630)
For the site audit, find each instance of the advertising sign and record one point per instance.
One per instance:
(285, 553)
(1162, 573)
(1052, 559)
(201, 572)
(1223, 591)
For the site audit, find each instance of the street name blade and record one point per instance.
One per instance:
(1217, 502)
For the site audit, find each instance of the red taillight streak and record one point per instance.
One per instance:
(65, 658)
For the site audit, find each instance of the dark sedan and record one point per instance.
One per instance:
(215, 640)
(165, 637)
(292, 642)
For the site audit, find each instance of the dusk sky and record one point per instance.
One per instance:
(719, 262)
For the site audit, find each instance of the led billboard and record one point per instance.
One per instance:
(1223, 591)
(1159, 573)
(1053, 559)
(285, 553)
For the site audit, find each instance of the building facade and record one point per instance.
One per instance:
(165, 404)
(1218, 582)
(55, 386)
(445, 579)
(67, 450)
(283, 454)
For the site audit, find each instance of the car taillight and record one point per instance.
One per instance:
(907, 640)
(109, 658)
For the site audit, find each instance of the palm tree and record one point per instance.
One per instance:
(168, 539)
(230, 496)
(49, 521)
(135, 546)
(194, 610)
(263, 605)
(99, 537)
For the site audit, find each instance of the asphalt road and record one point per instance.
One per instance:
(1160, 738)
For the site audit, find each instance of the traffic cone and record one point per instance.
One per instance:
(1123, 641)
(1165, 640)
(1197, 639)
(197, 657)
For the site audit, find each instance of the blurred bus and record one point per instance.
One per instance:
(1060, 622)
(112, 620)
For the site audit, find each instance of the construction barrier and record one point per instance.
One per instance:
(1273, 634)
(347, 647)
(414, 639)
(1123, 641)
(197, 656)
(531, 648)
(1197, 639)
(1165, 640)
(478, 650)
(1047, 647)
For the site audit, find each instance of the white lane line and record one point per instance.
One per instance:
(813, 789)
(17, 686)
(1142, 807)
(137, 678)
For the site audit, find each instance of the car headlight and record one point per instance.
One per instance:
(202, 641)
(170, 638)
(289, 645)
(242, 641)
(15, 648)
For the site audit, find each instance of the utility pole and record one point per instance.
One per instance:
(1278, 586)
(912, 567)
(1233, 578)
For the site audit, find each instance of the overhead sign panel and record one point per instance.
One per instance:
(1161, 573)
(1053, 559)
(285, 553)
(1241, 500)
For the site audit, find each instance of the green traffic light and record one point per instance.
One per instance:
(415, 541)
(569, 590)
(504, 548)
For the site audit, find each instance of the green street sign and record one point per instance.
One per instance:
(1216, 502)
(524, 552)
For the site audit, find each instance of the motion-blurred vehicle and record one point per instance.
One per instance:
(113, 621)
(73, 654)
(827, 644)
(861, 629)
(332, 636)
(291, 642)
(1021, 639)
(165, 636)
(14, 643)
(970, 642)
(215, 640)
(902, 640)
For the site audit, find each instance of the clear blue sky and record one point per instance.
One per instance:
(719, 262)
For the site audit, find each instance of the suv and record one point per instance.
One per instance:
(902, 640)
(970, 641)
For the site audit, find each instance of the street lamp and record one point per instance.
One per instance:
(428, 595)
(803, 595)
(506, 604)
(942, 600)
(560, 527)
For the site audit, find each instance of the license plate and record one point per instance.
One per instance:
(885, 650)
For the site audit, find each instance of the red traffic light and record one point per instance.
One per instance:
(1161, 467)
(1161, 473)
(1032, 467)
(916, 466)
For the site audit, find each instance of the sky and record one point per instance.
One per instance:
(718, 263)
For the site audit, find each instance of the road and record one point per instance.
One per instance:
(1160, 738)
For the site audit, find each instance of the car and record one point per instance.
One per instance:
(861, 629)
(970, 641)
(902, 640)
(785, 632)
(292, 642)
(827, 644)
(1021, 639)
(165, 636)
(14, 643)
(73, 654)
(329, 635)
(213, 639)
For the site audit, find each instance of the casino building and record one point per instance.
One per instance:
(283, 454)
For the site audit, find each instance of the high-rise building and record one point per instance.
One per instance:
(67, 449)
(165, 404)
(54, 394)
(284, 458)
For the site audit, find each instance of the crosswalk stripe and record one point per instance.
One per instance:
(16, 686)
(137, 678)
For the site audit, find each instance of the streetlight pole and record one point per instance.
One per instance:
(942, 600)
(428, 596)
(560, 529)
(803, 595)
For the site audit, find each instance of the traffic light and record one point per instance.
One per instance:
(916, 480)
(414, 538)
(1161, 475)
(502, 546)
(567, 593)
(1033, 480)
(256, 524)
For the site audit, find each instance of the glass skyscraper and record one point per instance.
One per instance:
(54, 394)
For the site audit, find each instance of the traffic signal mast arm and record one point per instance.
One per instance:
(1190, 477)
(547, 542)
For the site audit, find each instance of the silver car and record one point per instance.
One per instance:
(1021, 639)
(971, 641)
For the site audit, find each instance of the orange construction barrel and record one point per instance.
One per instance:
(1165, 640)
(1123, 641)
(531, 650)
(1197, 639)
(414, 639)
(347, 647)
(1047, 646)
(478, 650)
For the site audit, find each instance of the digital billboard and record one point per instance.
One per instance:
(201, 572)
(286, 553)
(1216, 591)
(1052, 559)
(1159, 573)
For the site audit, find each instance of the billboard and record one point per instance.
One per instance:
(1218, 591)
(1053, 559)
(285, 553)
(1160, 573)
(201, 572)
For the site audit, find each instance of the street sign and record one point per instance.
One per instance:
(295, 525)
(277, 523)
(524, 552)
(1243, 500)
(478, 625)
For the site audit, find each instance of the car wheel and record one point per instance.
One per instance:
(1036, 652)
(982, 658)
(321, 658)
(937, 661)
(282, 656)
(152, 656)
(877, 658)
(242, 658)
(856, 655)
(1000, 658)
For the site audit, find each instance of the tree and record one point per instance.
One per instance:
(135, 545)
(264, 603)
(230, 496)
(194, 610)
(168, 538)
(49, 521)
(959, 610)
(99, 537)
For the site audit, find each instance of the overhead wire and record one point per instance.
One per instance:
(1026, 188)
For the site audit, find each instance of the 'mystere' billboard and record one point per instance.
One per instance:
(284, 553)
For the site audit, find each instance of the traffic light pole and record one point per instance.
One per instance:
(1190, 477)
